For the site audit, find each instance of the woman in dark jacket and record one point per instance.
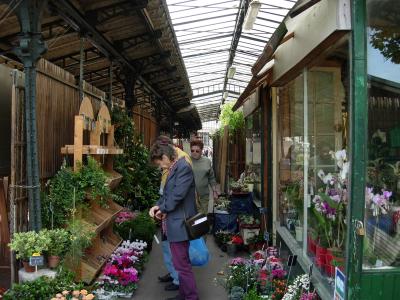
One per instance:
(176, 204)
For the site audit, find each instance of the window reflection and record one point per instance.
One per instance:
(382, 215)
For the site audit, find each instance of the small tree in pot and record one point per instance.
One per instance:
(60, 241)
(25, 244)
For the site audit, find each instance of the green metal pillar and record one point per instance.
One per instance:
(29, 50)
(358, 151)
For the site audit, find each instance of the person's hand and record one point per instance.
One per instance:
(160, 215)
(153, 211)
(215, 194)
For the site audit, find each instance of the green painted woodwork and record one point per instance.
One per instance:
(358, 151)
(383, 285)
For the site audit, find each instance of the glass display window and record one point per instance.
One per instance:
(312, 131)
(382, 207)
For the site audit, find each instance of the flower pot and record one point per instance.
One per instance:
(320, 256)
(53, 261)
(250, 187)
(231, 249)
(28, 268)
(299, 233)
(311, 245)
(329, 270)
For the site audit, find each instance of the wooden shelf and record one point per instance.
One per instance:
(92, 150)
(113, 179)
(97, 255)
(98, 219)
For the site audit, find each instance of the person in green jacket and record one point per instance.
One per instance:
(203, 175)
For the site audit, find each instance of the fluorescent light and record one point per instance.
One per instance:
(225, 95)
(231, 72)
(251, 15)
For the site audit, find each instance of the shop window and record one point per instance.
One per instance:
(253, 155)
(313, 166)
(382, 209)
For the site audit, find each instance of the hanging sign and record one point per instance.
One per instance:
(340, 283)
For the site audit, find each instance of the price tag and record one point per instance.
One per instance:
(266, 236)
(35, 261)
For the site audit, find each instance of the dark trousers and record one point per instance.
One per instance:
(181, 261)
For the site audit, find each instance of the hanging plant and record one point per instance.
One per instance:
(233, 119)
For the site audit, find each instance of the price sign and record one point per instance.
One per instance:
(266, 236)
(35, 261)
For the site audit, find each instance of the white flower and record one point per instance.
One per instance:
(345, 170)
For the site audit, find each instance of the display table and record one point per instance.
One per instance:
(25, 276)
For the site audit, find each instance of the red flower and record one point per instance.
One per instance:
(237, 239)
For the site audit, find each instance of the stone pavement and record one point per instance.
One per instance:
(150, 289)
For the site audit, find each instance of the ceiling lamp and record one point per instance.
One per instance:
(225, 95)
(231, 72)
(251, 15)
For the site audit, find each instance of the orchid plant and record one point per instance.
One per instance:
(329, 205)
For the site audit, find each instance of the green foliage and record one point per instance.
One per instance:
(139, 188)
(244, 276)
(233, 119)
(68, 189)
(140, 228)
(237, 293)
(57, 205)
(43, 288)
(27, 243)
(81, 236)
(92, 178)
(60, 240)
(252, 295)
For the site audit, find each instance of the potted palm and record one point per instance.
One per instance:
(25, 244)
(59, 242)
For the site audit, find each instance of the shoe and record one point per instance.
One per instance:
(165, 278)
(175, 298)
(172, 287)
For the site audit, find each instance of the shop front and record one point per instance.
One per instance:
(332, 85)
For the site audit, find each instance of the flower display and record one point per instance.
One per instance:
(120, 274)
(125, 216)
(72, 295)
(300, 285)
(379, 202)
(329, 204)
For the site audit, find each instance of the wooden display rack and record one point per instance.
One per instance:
(99, 219)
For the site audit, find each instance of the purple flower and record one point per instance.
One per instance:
(277, 273)
(387, 194)
(237, 261)
(336, 198)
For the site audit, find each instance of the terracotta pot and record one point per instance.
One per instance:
(320, 255)
(53, 261)
(28, 268)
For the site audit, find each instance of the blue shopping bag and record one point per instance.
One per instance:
(198, 252)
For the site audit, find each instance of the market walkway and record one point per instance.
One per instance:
(150, 289)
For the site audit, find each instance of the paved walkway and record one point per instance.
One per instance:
(150, 289)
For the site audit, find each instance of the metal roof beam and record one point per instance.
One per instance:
(72, 16)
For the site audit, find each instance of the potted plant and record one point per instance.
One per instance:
(256, 242)
(222, 238)
(299, 231)
(25, 244)
(233, 244)
(59, 243)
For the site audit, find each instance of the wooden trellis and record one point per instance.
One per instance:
(100, 218)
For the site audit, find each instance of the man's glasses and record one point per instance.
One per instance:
(195, 151)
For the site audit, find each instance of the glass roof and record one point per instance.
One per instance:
(205, 30)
